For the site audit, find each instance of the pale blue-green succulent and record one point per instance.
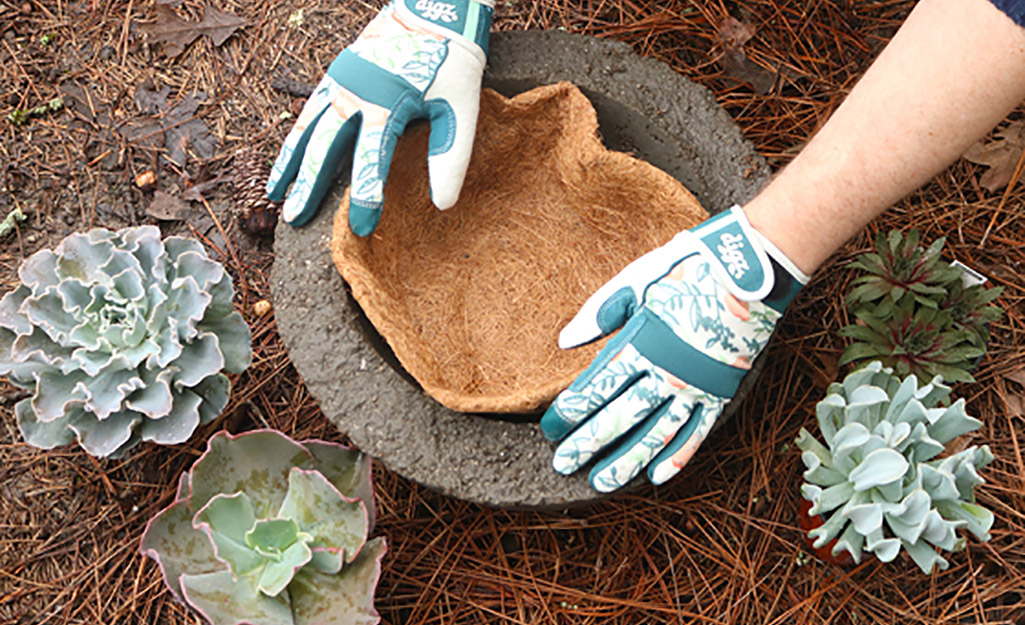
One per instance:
(877, 477)
(121, 337)
(271, 531)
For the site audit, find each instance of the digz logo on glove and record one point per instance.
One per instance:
(730, 251)
(436, 10)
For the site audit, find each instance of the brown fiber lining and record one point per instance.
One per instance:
(472, 299)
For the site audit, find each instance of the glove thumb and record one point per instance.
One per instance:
(453, 102)
(618, 299)
(604, 312)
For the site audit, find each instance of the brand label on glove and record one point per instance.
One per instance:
(436, 10)
(470, 19)
(731, 251)
(741, 264)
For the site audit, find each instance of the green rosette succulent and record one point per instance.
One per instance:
(121, 337)
(916, 312)
(900, 268)
(878, 478)
(270, 531)
(914, 340)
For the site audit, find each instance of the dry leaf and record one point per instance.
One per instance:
(180, 134)
(1001, 155)
(734, 33)
(166, 207)
(150, 99)
(177, 33)
(1014, 405)
(1017, 376)
(735, 64)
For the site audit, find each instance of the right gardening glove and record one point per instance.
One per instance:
(696, 312)
(418, 59)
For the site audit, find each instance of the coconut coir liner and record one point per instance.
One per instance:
(472, 299)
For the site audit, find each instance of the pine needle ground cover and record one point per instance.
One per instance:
(138, 117)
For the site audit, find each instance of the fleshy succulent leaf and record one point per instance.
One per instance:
(177, 547)
(338, 526)
(260, 532)
(227, 519)
(286, 550)
(225, 600)
(257, 463)
(879, 468)
(112, 331)
(342, 599)
(349, 470)
(876, 476)
(915, 312)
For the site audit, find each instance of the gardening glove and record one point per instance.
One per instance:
(697, 311)
(418, 59)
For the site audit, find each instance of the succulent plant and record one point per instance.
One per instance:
(121, 337)
(900, 268)
(916, 313)
(879, 479)
(268, 530)
(920, 341)
(971, 310)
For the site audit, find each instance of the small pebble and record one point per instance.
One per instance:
(262, 307)
(146, 180)
(26, 7)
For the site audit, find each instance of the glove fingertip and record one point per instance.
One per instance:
(296, 210)
(363, 220)
(660, 472)
(444, 200)
(553, 425)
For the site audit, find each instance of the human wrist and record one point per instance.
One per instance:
(779, 232)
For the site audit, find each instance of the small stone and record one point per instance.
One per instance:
(146, 180)
(26, 7)
(262, 307)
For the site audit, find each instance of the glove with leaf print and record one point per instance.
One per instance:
(696, 312)
(418, 59)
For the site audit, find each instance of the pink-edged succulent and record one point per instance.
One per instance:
(269, 531)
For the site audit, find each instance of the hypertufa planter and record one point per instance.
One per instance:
(644, 108)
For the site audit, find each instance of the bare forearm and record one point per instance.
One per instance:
(952, 72)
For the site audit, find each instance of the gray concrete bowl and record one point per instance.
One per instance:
(644, 108)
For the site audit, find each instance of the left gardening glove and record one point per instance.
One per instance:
(696, 312)
(418, 59)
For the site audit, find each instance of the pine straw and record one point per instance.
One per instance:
(719, 545)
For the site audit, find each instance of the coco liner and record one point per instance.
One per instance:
(472, 299)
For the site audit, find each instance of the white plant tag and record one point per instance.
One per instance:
(969, 276)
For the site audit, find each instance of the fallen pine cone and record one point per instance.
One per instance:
(249, 173)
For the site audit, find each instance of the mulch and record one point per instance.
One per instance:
(719, 545)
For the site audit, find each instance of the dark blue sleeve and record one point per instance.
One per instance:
(1015, 9)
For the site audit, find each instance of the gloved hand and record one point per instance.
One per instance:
(417, 59)
(697, 312)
